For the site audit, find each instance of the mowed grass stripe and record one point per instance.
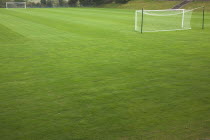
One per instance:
(97, 20)
(72, 24)
(93, 11)
(32, 28)
(8, 34)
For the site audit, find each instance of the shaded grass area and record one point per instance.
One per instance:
(84, 73)
(8, 35)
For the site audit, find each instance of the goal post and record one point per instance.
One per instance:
(162, 20)
(15, 5)
(183, 18)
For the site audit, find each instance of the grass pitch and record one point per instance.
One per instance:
(85, 74)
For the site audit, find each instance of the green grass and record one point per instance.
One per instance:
(85, 74)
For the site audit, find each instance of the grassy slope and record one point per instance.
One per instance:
(85, 74)
(138, 4)
(150, 4)
(192, 5)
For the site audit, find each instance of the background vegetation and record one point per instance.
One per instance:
(64, 3)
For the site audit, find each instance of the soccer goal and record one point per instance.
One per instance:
(15, 4)
(162, 20)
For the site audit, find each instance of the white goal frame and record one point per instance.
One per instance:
(15, 3)
(142, 16)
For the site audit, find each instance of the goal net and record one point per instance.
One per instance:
(162, 20)
(15, 4)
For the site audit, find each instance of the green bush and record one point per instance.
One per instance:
(33, 4)
(72, 2)
(49, 3)
(2, 3)
(43, 2)
(121, 1)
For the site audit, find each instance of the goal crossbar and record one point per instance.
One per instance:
(163, 10)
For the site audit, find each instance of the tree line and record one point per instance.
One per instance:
(63, 3)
